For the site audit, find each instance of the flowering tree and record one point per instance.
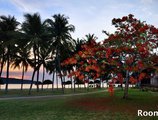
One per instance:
(87, 61)
(129, 50)
(133, 46)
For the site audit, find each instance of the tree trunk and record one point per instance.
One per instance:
(57, 80)
(2, 64)
(22, 79)
(33, 74)
(61, 81)
(71, 83)
(53, 80)
(43, 76)
(121, 86)
(38, 68)
(88, 85)
(38, 80)
(7, 74)
(1, 72)
(126, 86)
(64, 80)
(59, 67)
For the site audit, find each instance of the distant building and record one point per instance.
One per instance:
(150, 80)
(154, 80)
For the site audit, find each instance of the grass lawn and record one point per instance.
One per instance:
(98, 106)
(19, 93)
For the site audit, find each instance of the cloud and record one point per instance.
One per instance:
(83, 14)
(146, 1)
(90, 16)
(27, 5)
(32, 6)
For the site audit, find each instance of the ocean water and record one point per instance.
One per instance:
(26, 86)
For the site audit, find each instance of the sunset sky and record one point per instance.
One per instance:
(88, 16)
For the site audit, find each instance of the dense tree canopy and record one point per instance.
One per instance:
(122, 57)
(129, 49)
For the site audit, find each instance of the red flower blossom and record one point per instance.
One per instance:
(140, 65)
(124, 18)
(141, 76)
(132, 80)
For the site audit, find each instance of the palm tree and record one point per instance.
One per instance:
(44, 58)
(90, 37)
(65, 54)
(21, 60)
(34, 30)
(78, 44)
(50, 68)
(8, 27)
(61, 37)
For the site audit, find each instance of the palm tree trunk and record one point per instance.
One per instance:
(36, 65)
(57, 80)
(22, 79)
(38, 68)
(126, 86)
(38, 80)
(43, 76)
(33, 74)
(53, 80)
(2, 65)
(7, 74)
(59, 68)
(121, 85)
(64, 80)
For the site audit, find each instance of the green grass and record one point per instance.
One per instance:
(98, 106)
(18, 93)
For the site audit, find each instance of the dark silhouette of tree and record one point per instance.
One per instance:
(45, 57)
(8, 28)
(61, 37)
(35, 32)
(89, 37)
(21, 60)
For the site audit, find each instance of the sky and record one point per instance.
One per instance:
(88, 16)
